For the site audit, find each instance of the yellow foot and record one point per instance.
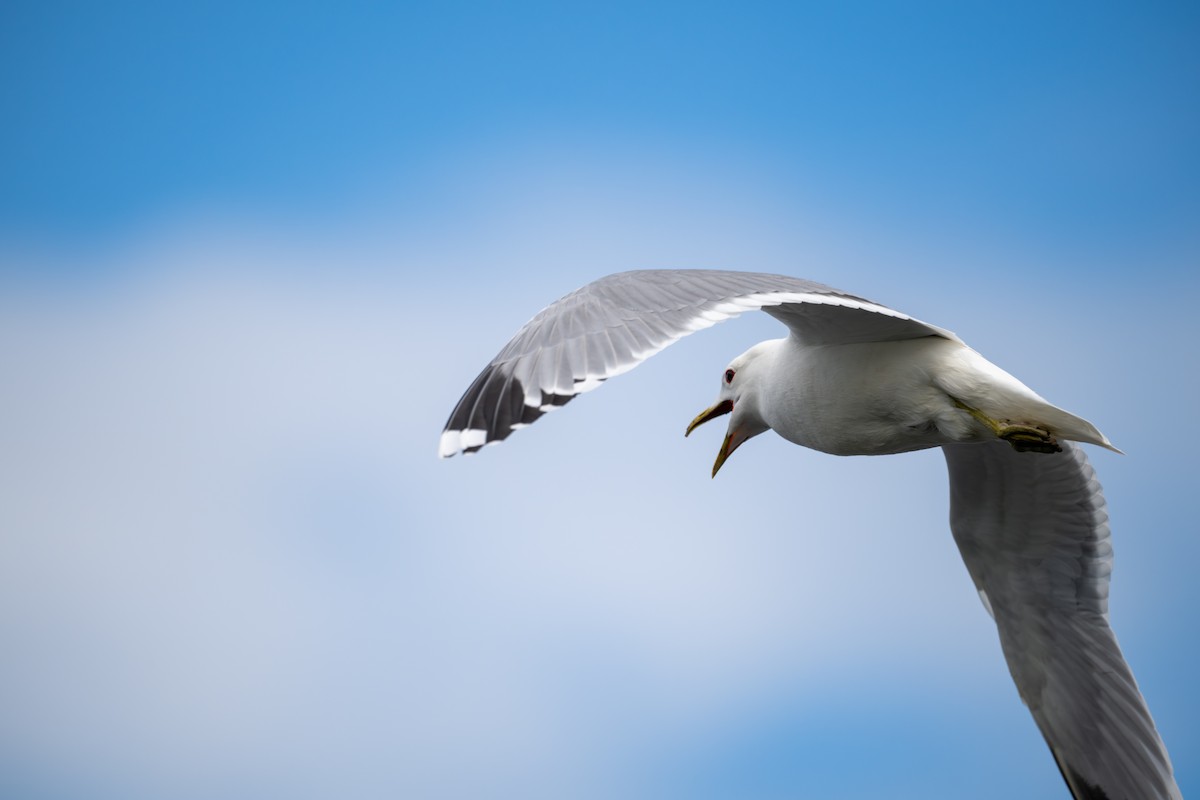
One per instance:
(1028, 439)
(1023, 438)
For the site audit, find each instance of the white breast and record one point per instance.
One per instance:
(865, 399)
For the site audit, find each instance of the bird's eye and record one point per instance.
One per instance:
(729, 376)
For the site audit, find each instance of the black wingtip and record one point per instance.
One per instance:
(1080, 788)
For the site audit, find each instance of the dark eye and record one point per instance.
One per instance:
(729, 376)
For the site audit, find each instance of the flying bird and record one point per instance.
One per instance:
(853, 377)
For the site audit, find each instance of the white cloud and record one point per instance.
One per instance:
(231, 561)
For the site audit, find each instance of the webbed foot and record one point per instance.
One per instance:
(1023, 438)
(1028, 439)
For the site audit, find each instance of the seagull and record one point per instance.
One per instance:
(853, 377)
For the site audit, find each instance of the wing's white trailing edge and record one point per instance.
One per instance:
(611, 325)
(1033, 532)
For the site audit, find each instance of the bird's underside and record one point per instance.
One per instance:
(1026, 510)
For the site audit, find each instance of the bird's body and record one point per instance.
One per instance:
(877, 398)
(857, 378)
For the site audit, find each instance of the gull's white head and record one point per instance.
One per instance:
(741, 385)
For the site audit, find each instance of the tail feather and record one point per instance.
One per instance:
(1066, 425)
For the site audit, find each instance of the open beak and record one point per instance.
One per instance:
(731, 441)
(720, 409)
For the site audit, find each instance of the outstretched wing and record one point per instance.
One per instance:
(1033, 531)
(613, 324)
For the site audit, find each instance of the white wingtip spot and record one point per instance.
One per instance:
(453, 442)
(987, 604)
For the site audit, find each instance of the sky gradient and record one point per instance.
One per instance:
(251, 255)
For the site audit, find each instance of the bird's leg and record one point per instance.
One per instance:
(1023, 438)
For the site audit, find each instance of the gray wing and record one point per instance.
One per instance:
(1033, 531)
(613, 324)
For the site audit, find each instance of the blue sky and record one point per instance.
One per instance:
(251, 254)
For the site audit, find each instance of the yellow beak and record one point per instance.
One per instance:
(720, 409)
(728, 446)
